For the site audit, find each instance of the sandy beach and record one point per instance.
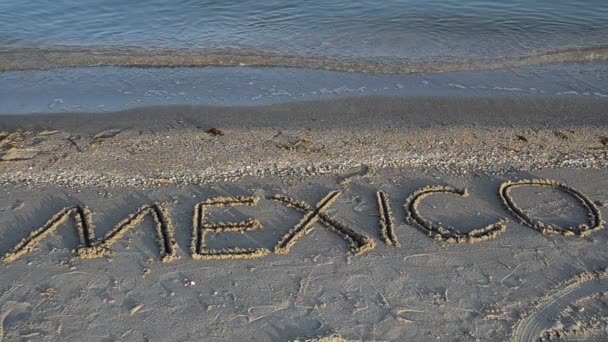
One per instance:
(303, 171)
(372, 219)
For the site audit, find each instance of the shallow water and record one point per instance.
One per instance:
(382, 33)
(108, 89)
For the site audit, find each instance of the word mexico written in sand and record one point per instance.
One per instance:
(92, 247)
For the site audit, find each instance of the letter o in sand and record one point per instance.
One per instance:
(594, 214)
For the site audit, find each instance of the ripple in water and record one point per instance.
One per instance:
(365, 32)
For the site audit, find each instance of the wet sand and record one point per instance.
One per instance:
(24, 58)
(304, 220)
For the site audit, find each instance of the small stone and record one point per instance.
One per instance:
(107, 134)
(15, 154)
(215, 132)
(561, 135)
(136, 308)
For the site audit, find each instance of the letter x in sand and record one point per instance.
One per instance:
(359, 243)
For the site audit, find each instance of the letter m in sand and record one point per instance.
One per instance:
(91, 248)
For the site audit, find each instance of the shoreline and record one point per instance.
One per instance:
(104, 90)
(36, 58)
(350, 112)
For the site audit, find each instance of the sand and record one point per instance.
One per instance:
(61, 57)
(402, 224)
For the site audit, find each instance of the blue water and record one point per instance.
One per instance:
(109, 89)
(387, 30)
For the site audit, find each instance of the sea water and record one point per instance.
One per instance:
(317, 33)
(69, 55)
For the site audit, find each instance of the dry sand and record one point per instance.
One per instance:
(378, 227)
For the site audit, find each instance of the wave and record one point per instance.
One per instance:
(16, 59)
